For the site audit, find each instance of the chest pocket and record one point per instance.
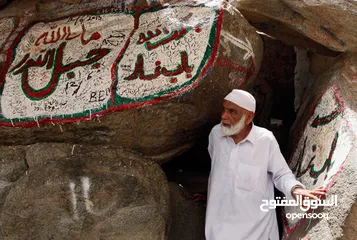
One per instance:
(247, 177)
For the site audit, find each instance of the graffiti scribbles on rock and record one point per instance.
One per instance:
(311, 168)
(79, 67)
(51, 61)
(322, 148)
(166, 57)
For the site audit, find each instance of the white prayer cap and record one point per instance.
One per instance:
(242, 98)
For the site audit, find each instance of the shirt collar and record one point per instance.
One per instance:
(250, 137)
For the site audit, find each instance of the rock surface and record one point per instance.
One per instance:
(156, 115)
(350, 229)
(84, 192)
(311, 24)
(325, 154)
(12, 167)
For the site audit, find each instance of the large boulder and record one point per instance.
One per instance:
(349, 230)
(82, 192)
(330, 23)
(12, 167)
(148, 84)
(325, 154)
(312, 24)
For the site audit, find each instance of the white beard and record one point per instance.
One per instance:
(234, 129)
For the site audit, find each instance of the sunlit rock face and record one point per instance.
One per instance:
(144, 78)
(65, 191)
(324, 155)
(314, 25)
(94, 96)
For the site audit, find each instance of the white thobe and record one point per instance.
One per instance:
(242, 176)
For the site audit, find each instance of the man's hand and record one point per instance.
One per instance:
(316, 194)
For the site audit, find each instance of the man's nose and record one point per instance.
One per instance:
(224, 115)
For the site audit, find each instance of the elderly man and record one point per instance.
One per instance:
(246, 164)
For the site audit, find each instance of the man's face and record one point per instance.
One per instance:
(234, 118)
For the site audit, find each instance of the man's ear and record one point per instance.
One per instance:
(250, 118)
